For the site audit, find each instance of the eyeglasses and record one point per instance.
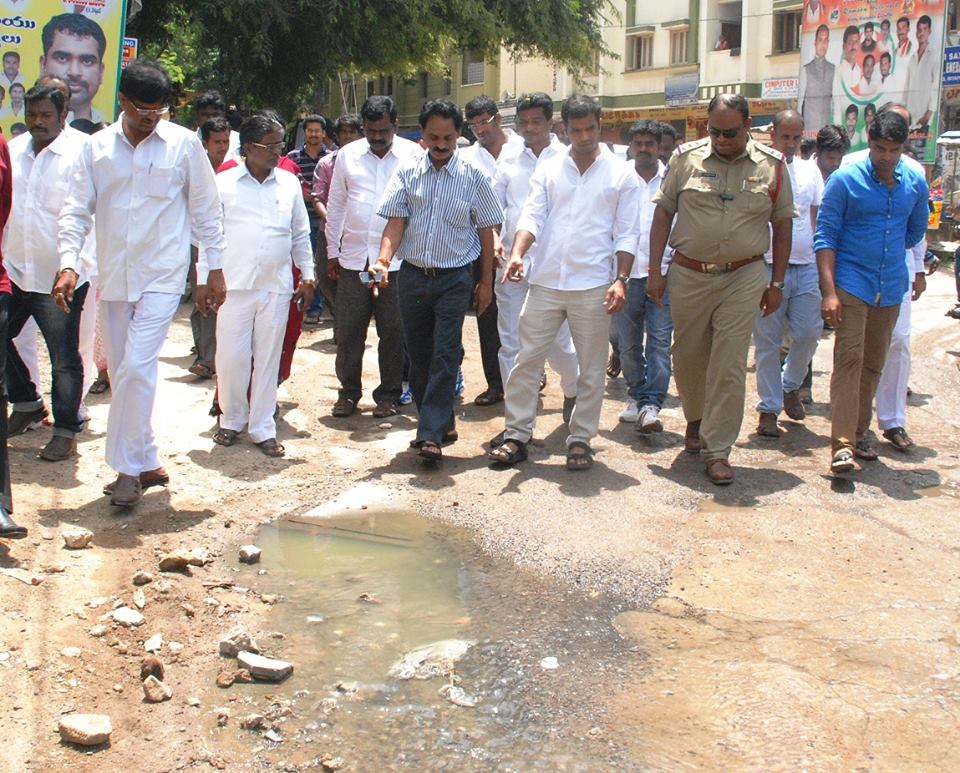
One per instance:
(273, 147)
(727, 133)
(478, 124)
(154, 111)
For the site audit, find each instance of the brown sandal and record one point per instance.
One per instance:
(430, 451)
(581, 461)
(271, 447)
(225, 437)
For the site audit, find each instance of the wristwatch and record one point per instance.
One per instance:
(623, 278)
(778, 285)
(309, 282)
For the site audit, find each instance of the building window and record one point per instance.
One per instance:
(786, 31)
(639, 52)
(472, 69)
(386, 85)
(678, 46)
(371, 88)
(447, 87)
(424, 84)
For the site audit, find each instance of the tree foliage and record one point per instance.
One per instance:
(273, 51)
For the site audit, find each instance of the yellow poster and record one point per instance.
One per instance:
(78, 41)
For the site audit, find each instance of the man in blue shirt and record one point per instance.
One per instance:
(440, 212)
(872, 211)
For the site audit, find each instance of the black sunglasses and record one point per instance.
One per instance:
(728, 133)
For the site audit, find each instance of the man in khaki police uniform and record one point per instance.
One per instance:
(725, 190)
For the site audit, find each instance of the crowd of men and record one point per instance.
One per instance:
(679, 257)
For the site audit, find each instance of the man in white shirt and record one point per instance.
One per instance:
(353, 231)
(147, 180)
(265, 223)
(11, 68)
(493, 143)
(511, 185)
(847, 76)
(923, 76)
(42, 161)
(799, 311)
(582, 210)
(891, 397)
(208, 106)
(646, 363)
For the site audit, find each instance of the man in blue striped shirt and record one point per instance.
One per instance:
(872, 211)
(441, 213)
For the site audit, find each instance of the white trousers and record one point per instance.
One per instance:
(250, 327)
(26, 344)
(891, 400)
(562, 357)
(544, 312)
(133, 335)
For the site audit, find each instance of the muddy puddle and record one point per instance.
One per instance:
(355, 593)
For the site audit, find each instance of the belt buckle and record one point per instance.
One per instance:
(715, 268)
(429, 271)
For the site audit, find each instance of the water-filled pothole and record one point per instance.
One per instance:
(358, 592)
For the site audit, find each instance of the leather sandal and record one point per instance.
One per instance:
(385, 409)
(842, 461)
(898, 438)
(719, 472)
(508, 453)
(271, 447)
(579, 461)
(863, 450)
(148, 478)
(225, 437)
(430, 451)
(344, 407)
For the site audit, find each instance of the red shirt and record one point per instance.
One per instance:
(285, 163)
(6, 202)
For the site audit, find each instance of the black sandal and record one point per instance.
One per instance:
(898, 438)
(430, 451)
(504, 454)
(271, 447)
(577, 462)
(225, 437)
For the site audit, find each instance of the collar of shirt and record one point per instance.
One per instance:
(897, 171)
(751, 151)
(272, 177)
(451, 167)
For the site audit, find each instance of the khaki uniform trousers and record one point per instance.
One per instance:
(713, 317)
(860, 347)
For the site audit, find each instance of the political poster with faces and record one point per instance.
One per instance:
(79, 41)
(857, 56)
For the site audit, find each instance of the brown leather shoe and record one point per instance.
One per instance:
(58, 449)
(793, 405)
(148, 478)
(691, 438)
(767, 426)
(719, 471)
(127, 491)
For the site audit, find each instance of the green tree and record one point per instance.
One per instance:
(272, 52)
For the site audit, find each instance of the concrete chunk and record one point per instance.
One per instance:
(268, 669)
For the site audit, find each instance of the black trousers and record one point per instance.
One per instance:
(6, 499)
(489, 337)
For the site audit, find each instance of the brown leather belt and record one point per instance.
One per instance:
(712, 268)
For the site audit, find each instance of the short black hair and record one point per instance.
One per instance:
(807, 146)
(667, 130)
(315, 118)
(580, 106)
(18, 85)
(256, 127)
(145, 81)
(85, 125)
(653, 128)
(736, 102)
(851, 110)
(376, 107)
(14, 54)
(211, 99)
(75, 24)
(871, 57)
(887, 55)
(18, 128)
(885, 21)
(479, 106)
(213, 125)
(889, 127)
(832, 137)
(868, 26)
(821, 27)
(51, 93)
(352, 120)
(925, 20)
(442, 108)
(905, 20)
(850, 31)
(534, 100)
(870, 107)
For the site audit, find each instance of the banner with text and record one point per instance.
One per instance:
(80, 41)
(857, 56)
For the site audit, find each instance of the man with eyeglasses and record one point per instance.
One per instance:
(493, 142)
(148, 181)
(360, 177)
(725, 191)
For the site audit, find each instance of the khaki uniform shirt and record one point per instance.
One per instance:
(723, 208)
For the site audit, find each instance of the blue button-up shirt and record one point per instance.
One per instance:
(869, 227)
(444, 208)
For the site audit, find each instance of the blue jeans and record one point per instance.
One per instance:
(62, 334)
(432, 309)
(799, 313)
(646, 364)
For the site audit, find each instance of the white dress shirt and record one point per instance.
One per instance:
(581, 220)
(483, 159)
(40, 184)
(807, 184)
(641, 258)
(923, 77)
(265, 224)
(145, 198)
(360, 178)
(511, 183)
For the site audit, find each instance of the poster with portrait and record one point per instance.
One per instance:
(79, 41)
(857, 56)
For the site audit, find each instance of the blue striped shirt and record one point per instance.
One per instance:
(444, 208)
